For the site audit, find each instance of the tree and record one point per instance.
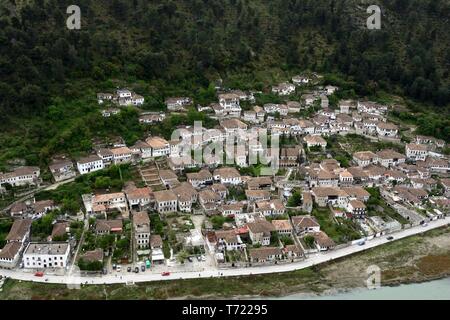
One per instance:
(309, 241)
(295, 199)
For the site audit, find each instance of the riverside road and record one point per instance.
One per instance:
(313, 259)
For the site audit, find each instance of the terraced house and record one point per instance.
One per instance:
(21, 177)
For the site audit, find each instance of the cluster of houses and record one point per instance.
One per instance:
(258, 226)
(122, 97)
(32, 255)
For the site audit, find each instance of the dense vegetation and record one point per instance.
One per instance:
(49, 75)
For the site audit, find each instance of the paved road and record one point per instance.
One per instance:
(147, 277)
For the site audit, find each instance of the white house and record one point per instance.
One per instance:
(227, 176)
(46, 255)
(416, 152)
(230, 104)
(90, 164)
(121, 155)
(284, 89)
(166, 201)
(177, 103)
(160, 147)
(387, 129)
(21, 176)
(301, 80)
(364, 158)
(124, 93)
(315, 140)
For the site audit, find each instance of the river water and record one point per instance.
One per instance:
(433, 290)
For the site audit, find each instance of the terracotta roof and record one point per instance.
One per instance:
(139, 193)
(10, 250)
(323, 240)
(203, 174)
(415, 146)
(257, 194)
(58, 164)
(282, 225)
(101, 198)
(357, 192)
(304, 221)
(233, 124)
(328, 191)
(307, 197)
(43, 205)
(141, 218)
(168, 175)
(356, 204)
(228, 96)
(228, 235)
(314, 139)
(59, 229)
(264, 253)
(258, 181)
(157, 142)
(390, 154)
(261, 226)
(92, 256)
(156, 240)
(19, 207)
(165, 195)
(208, 195)
(185, 191)
(293, 248)
(227, 172)
(364, 155)
(88, 159)
(109, 225)
(387, 126)
(19, 229)
(218, 187)
(120, 151)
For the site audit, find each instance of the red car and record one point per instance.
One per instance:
(166, 273)
(39, 274)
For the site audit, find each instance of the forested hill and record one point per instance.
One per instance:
(187, 43)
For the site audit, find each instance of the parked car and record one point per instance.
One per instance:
(190, 259)
(119, 268)
(361, 243)
(165, 273)
(136, 270)
(39, 274)
(199, 258)
(390, 238)
(425, 225)
(114, 266)
(203, 257)
(129, 269)
(143, 268)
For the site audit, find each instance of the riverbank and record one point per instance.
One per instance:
(416, 259)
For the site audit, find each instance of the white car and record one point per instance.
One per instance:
(203, 258)
(119, 268)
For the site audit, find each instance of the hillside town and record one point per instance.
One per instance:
(331, 176)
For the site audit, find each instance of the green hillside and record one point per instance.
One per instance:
(49, 75)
